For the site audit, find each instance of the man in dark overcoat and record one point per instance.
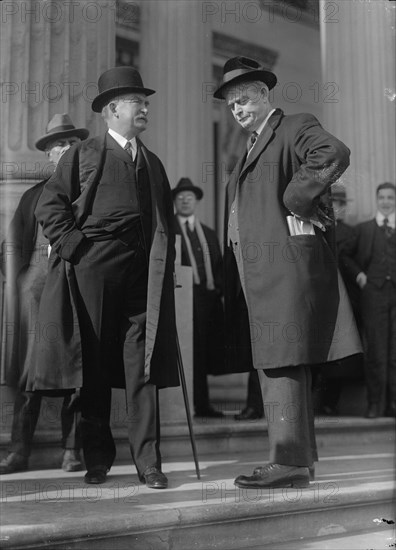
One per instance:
(328, 382)
(200, 249)
(24, 262)
(371, 258)
(108, 305)
(286, 307)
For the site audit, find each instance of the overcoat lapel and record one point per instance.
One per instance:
(155, 179)
(245, 162)
(232, 184)
(263, 139)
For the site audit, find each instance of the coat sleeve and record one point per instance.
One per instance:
(54, 208)
(323, 159)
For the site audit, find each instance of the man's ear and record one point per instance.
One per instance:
(265, 91)
(113, 107)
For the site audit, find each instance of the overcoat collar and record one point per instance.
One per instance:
(117, 150)
(92, 157)
(245, 162)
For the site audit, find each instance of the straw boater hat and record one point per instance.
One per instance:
(243, 69)
(60, 126)
(118, 81)
(185, 184)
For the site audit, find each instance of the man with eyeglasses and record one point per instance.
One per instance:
(200, 249)
(108, 214)
(24, 262)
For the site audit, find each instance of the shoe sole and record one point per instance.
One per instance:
(294, 483)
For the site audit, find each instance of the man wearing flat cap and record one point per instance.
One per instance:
(286, 309)
(108, 214)
(24, 262)
(200, 249)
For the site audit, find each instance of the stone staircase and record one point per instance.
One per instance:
(353, 490)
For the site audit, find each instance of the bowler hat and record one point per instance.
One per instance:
(243, 69)
(185, 184)
(60, 126)
(118, 81)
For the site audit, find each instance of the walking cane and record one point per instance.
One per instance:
(187, 405)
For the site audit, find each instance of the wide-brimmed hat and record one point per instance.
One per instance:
(243, 69)
(185, 184)
(118, 81)
(339, 194)
(58, 127)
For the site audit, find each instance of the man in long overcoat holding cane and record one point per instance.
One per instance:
(108, 305)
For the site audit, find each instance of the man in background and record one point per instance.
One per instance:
(371, 257)
(24, 263)
(200, 249)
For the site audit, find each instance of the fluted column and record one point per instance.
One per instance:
(358, 51)
(52, 55)
(176, 61)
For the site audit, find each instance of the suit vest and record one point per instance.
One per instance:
(383, 260)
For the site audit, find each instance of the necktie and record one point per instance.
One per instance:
(128, 148)
(251, 141)
(197, 252)
(387, 228)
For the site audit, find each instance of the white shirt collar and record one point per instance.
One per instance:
(123, 141)
(190, 219)
(379, 218)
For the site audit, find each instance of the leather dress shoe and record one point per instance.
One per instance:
(372, 411)
(154, 478)
(275, 475)
(72, 461)
(208, 413)
(248, 413)
(311, 470)
(14, 462)
(96, 475)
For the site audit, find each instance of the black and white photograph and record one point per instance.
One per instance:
(198, 274)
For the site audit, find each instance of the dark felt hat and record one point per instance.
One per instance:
(185, 184)
(339, 194)
(118, 81)
(60, 126)
(243, 69)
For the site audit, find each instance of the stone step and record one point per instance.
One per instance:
(220, 436)
(353, 490)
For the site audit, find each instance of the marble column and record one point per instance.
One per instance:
(176, 61)
(358, 93)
